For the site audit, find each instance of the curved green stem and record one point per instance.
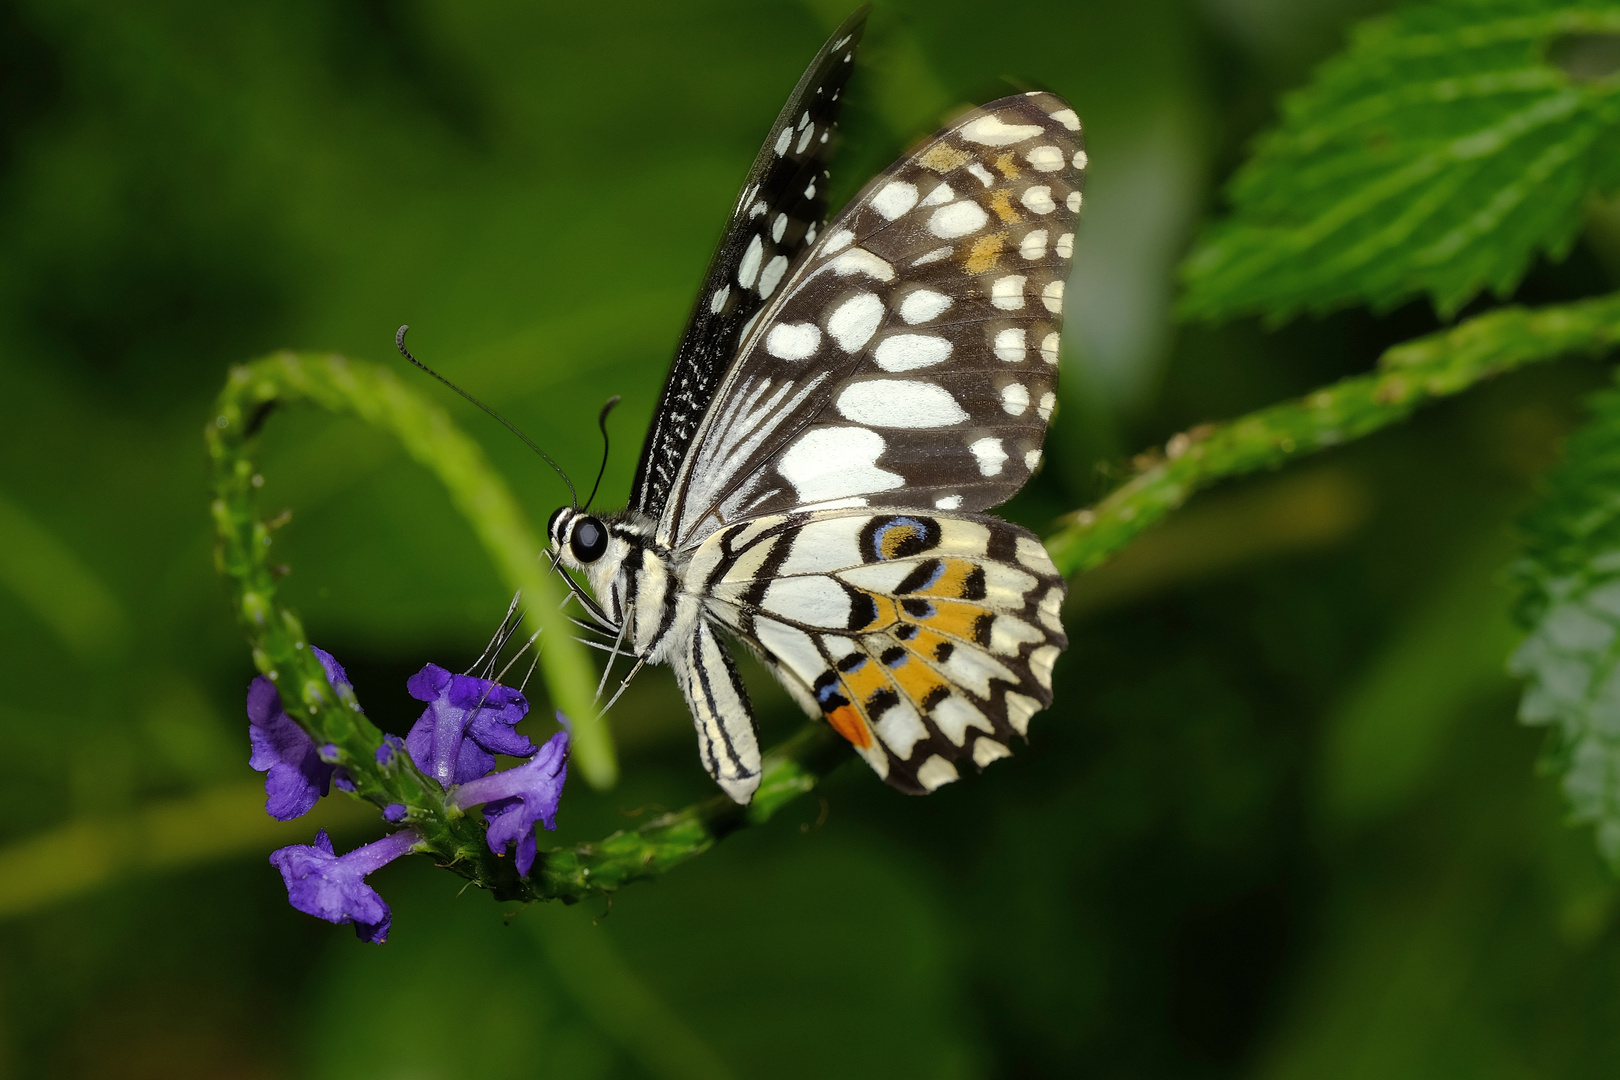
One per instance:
(1408, 375)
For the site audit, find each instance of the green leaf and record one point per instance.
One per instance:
(1446, 147)
(1570, 580)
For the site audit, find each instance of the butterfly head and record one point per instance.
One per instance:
(578, 538)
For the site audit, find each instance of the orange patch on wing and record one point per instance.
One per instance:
(985, 253)
(952, 581)
(886, 616)
(1001, 203)
(954, 618)
(926, 642)
(848, 723)
(864, 681)
(917, 680)
(1007, 167)
(895, 537)
(943, 158)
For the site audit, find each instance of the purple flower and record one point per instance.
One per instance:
(297, 775)
(333, 887)
(516, 799)
(467, 722)
(391, 745)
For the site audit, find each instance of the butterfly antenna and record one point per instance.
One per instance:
(601, 422)
(399, 343)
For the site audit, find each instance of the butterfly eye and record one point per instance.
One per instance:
(589, 540)
(551, 526)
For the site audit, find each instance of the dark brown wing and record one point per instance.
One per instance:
(910, 360)
(783, 203)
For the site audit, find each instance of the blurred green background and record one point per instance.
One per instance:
(1280, 823)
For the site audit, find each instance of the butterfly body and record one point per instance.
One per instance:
(814, 478)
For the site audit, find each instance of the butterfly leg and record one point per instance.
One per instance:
(728, 741)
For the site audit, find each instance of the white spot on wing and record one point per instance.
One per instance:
(991, 130)
(990, 455)
(1052, 296)
(942, 194)
(1008, 292)
(1038, 199)
(922, 305)
(1080, 160)
(948, 502)
(981, 174)
(804, 140)
(861, 261)
(793, 647)
(895, 198)
(899, 403)
(908, 352)
(1032, 458)
(771, 276)
(718, 301)
(1065, 245)
(1048, 400)
(783, 141)
(900, 728)
(778, 227)
(932, 257)
(1067, 118)
(954, 716)
(855, 321)
(835, 463)
(987, 750)
(813, 599)
(793, 341)
(1049, 348)
(957, 219)
(838, 241)
(1020, 707)
(1015, 399)
(1045, 158)
(936, 772)
(1073, 202)
(1034, 245)
(748, 269)
(1040, 664)
(1010, 344)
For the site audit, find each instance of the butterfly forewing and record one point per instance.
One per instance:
(783, 204)
(910, 359)
(925, 640)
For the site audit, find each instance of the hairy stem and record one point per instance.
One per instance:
(1408, 375)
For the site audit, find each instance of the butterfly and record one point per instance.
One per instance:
(847, 400)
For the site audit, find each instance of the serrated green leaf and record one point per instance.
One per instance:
(1440, 153)
(1570, 577)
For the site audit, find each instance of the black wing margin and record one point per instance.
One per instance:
(782, 205)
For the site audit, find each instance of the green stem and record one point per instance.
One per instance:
(1408, 376)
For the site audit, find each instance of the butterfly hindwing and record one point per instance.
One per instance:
(782, 205)
(925, 640)
(910, 359)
